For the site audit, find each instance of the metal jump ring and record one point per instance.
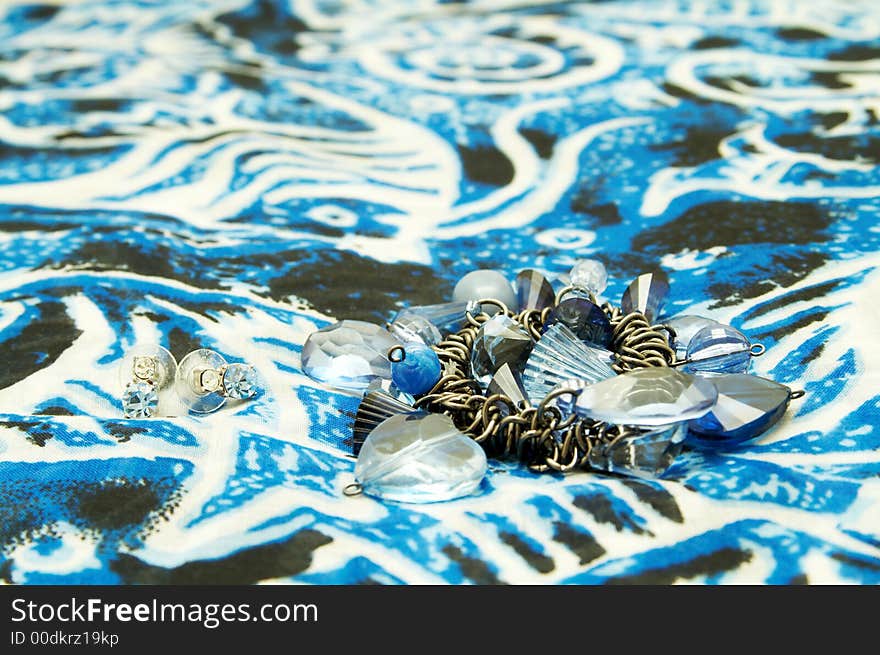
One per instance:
(353, 489)
(491, 301)
(393, 351)
(568, 289)
(542, 408)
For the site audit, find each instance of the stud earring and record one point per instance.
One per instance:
(144, 374)
(205, 381)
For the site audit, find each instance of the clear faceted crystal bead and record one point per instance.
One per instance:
(348, 354)
(408, 326)
(446, 317)
(533, 291)
(747, 407)
(685, 328)
(647, 396)
(718, 349)
(139, 400)
(559, 356)
(418, 458)
(499, 341)
(387, 386)
(645, 455)
(507, 382)
(646, 294)
(240, 381)
(589, 274)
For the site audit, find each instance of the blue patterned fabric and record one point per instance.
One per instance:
(234, 175)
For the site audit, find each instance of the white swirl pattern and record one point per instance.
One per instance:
(236, 174)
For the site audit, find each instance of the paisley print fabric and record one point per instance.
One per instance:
(235, 174)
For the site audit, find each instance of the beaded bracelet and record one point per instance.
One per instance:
(562, 384)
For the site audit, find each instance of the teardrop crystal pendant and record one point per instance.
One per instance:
(646, 294)
(419, 459)
(499, 341)
(387, 386)
(446, 317)
(685, 327)
(647, 396)
(718, 349)
(375, 407)
(644, 455)
(411, 327)
(560, 356)
(584, 318)
(508, 382)
(533, 291)
(747, 407)
(348, 354)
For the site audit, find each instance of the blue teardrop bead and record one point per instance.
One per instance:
(718, 349)
(646, 294)
(419, 370)
(584, 318)
(747, 406)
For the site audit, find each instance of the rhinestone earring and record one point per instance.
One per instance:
(144, 375)
(205, 381)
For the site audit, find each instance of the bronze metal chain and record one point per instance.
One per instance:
(539, 436)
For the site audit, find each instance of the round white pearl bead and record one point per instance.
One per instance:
(486, 283)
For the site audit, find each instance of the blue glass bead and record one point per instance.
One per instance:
(718, 349)
(418, 371)
(376, 406)
(747, 407)
(685, 328)
(584, 318)
(533, 291)
(646, 294)
(560, 357)
(499, 341)
(412, 327)
(647, 396)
